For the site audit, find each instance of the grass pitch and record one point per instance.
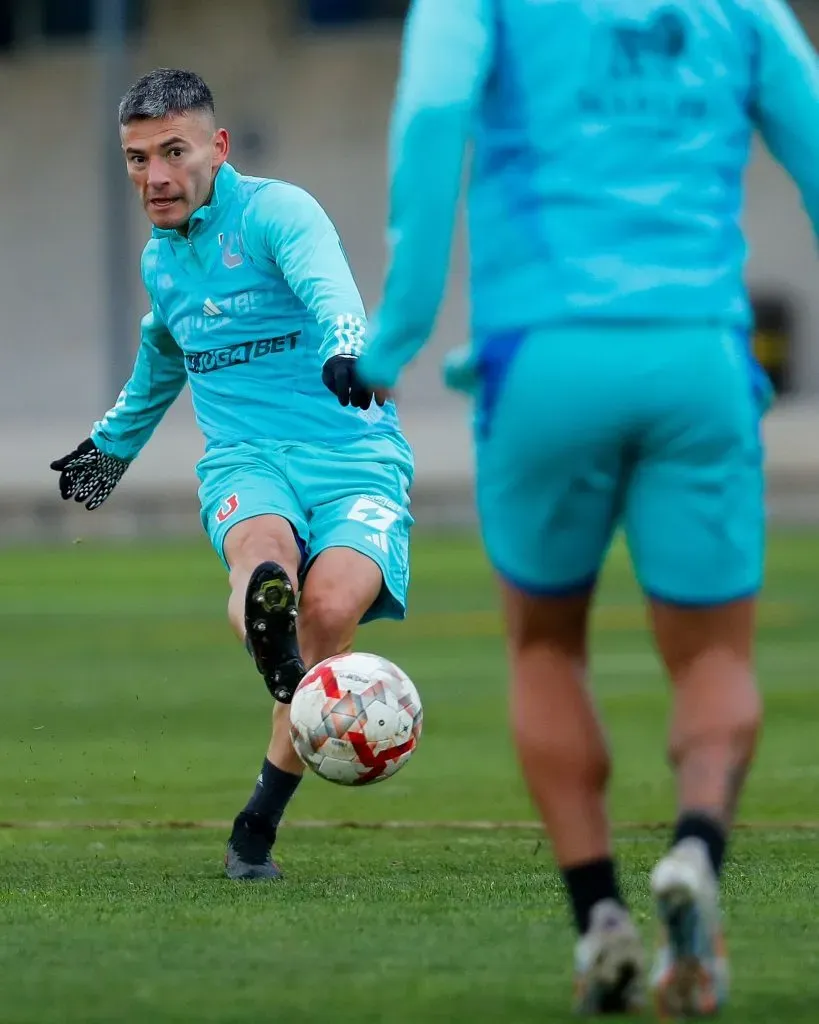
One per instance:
(133, 726)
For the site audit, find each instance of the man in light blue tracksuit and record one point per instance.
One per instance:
(305, 477)
(613, 387)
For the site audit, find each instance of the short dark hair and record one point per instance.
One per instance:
(163, 93)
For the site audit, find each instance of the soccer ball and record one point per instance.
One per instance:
(355, 719)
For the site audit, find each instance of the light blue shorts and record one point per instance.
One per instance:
(355, 497)
(580, 431)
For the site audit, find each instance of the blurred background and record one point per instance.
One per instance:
(305, 87)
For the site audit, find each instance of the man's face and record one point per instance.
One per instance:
(172, 162)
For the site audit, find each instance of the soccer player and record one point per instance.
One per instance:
(613, 386)
(305, 477)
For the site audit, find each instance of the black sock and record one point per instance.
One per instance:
(589, 884)
(274, 789)
(700, 826)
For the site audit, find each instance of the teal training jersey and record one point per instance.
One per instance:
(609, 144)
(246, 308)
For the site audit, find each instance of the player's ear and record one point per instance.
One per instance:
(221, 145)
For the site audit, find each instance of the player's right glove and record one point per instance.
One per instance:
(338, 374)
(89, 475)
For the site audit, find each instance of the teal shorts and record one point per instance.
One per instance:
(355, 497)
(582, 431)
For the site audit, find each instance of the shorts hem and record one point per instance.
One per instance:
(217, 539)
(388, 604)
(583, 585)
(703, 602)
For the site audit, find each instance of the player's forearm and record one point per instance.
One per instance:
(154, 385)
(285, 225)
(427, 153)
(787, 98)
(127, 427)
(795, 146)
(323, 280)
(447, 51)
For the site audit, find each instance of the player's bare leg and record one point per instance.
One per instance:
(264, 561)
(340, 587)
(717, 716)
(566, 764)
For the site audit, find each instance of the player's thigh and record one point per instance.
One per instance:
(366, 511)
(241, 484)
(549, 461)
(685, 634)
(695, 512)
(340, 588)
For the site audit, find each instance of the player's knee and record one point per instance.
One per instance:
(705, 641)
(558, 624)
(736, 724)
(327, 623)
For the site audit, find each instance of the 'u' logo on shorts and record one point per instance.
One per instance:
(227, 508)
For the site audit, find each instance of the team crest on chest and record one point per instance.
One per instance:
(231, 252)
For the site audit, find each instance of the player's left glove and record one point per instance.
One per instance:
(339, 375)
(89, 475)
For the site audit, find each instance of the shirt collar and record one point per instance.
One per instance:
(224, 186)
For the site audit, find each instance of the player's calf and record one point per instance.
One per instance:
(566, 765)
(340, 586)
(716, 721)
(270, 618)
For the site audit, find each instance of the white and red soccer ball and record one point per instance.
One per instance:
(356, 719)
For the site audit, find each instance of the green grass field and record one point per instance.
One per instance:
(133, 726)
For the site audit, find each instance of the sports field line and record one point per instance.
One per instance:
(442, 624)
(377, 826)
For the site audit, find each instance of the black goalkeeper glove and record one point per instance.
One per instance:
(89, 475)
(339, 375)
